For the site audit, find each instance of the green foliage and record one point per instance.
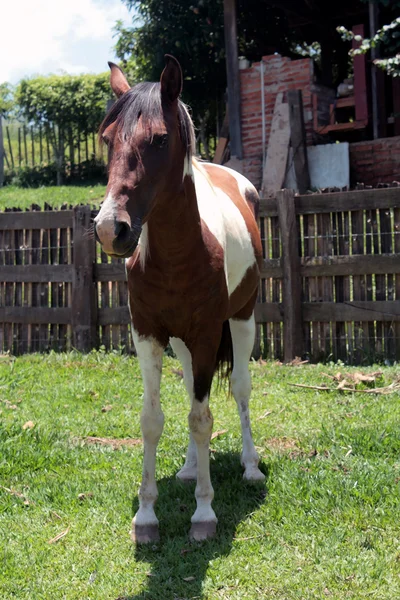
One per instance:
(194, 33)
(6, 99)
(387, 39)
(325, 524)
(68, 101)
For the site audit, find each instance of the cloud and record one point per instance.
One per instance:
(50, 36)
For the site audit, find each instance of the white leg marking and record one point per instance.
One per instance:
(243, 333)
(204, 519)
(189, 469)
(149, 351)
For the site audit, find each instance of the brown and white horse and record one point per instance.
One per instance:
(189, 232)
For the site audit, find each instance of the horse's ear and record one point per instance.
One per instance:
(171, 79)
(119, 84)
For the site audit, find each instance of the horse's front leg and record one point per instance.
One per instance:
(145, 522)
(204, 520)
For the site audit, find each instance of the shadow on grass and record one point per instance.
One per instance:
(178, 567)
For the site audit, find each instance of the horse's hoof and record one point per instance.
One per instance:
(253, 474)
(145, 534)
(187, 474)
(203, 530)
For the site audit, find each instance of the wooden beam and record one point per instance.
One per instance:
(37, 315)
(232, 72)
(291, 287)
(274, 170)
(40, 219)
(84, 304)
(298, 140)
(36, 273)
(337, 202)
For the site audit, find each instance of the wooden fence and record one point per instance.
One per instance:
(330, 286)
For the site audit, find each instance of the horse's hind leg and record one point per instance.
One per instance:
(189, 469)
(145, 522)
(243, 333)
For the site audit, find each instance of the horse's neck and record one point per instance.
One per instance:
(174, 228)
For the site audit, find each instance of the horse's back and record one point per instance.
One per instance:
(228, 204)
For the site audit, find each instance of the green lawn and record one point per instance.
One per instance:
(325, 525)
(15, 197)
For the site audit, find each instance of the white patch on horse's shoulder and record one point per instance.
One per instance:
(226, 223)
(244, 184)
(143, 244)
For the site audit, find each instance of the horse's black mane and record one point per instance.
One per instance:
(144, 100)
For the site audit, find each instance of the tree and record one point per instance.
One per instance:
(386, 40)
(193, 31)
(65, 105)
(6, 99)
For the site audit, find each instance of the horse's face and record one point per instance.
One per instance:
(145, 161)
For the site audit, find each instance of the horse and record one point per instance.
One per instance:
(188, 231)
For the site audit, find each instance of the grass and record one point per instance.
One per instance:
(15, 197)
(325, 525)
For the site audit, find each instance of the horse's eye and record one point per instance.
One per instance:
(159, 141)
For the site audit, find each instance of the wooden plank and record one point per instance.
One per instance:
(349, 126)
(36, 220)
(19, 346)
(396, 232)
(298, 139)
(83, 289)
(359, 286)
(63, 291)
(9, 288)
(274, 170)
(35, 315)
(232, 71)
(291, 285)
(222, 141)
(10, 147)
(44, 292)
(387, 247)
(35, 287)
(268, 312)
(348, 265)
(325, 283)
(105, 302)
(383, 311)
(337, 201)
(276, 287)
(43, 273)
(114, 316)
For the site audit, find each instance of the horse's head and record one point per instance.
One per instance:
(149, 135)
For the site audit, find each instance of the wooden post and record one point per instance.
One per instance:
(298, 140)
(291, 288)
(232, 71)
(84, 305)
(1, 154)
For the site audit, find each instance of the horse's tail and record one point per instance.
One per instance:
(224, 362)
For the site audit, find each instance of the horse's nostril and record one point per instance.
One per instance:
(122, 232)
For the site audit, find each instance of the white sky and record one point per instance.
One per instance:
(39, 37)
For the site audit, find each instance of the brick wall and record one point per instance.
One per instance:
(280, 75)
(375, 161)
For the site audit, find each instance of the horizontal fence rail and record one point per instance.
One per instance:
(329, 288)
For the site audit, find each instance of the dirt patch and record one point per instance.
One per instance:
(113, 442)
(282, 444)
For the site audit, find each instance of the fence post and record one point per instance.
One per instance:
(291, 288)
(84, 301)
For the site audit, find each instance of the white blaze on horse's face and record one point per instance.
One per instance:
(105, 224)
